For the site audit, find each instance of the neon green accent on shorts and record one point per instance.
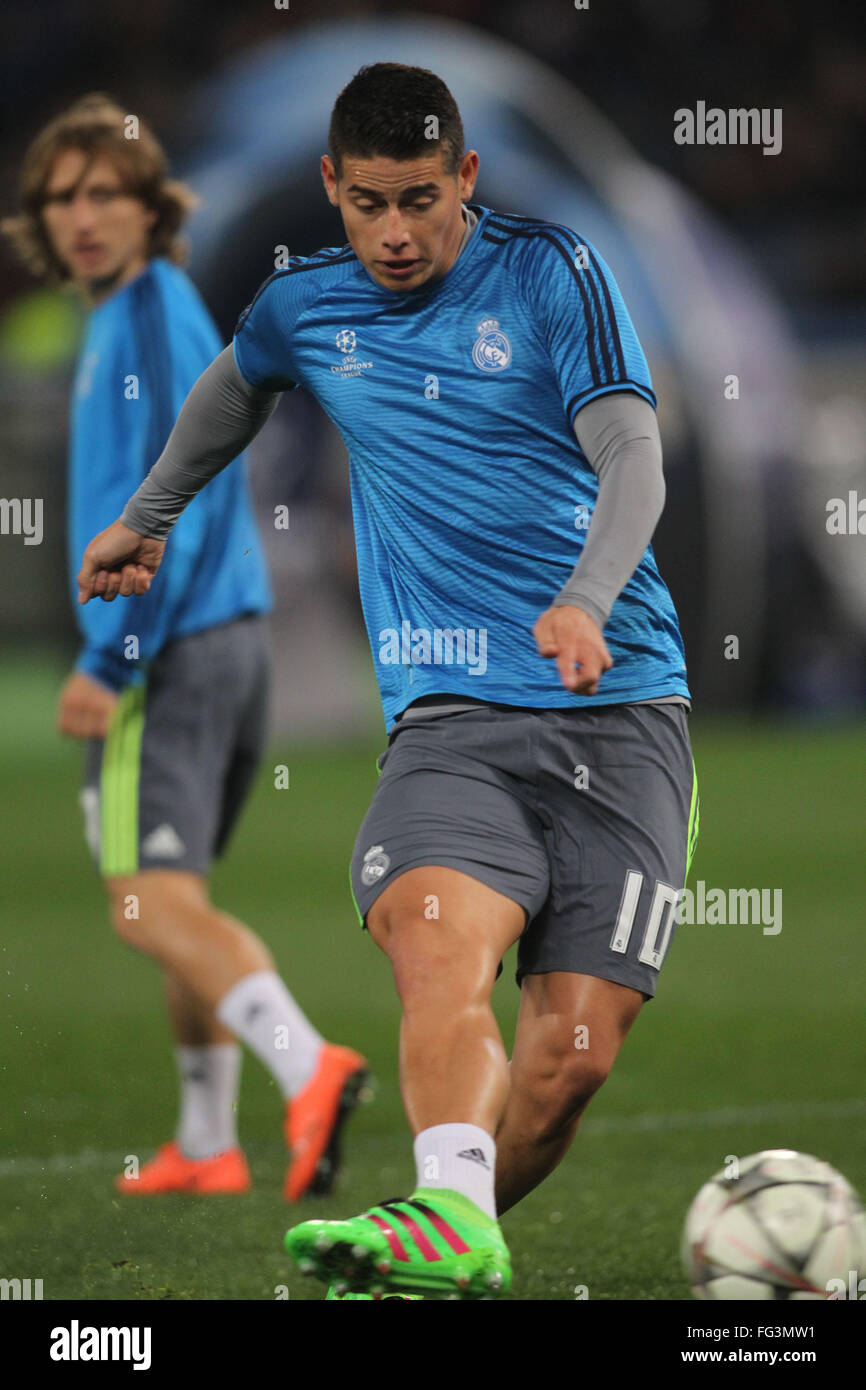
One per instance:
(118, 785)
(354, 899)
(694, 822)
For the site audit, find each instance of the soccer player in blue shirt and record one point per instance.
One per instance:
(170, 699)
(538, 784)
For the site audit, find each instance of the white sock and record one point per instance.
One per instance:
(209, 1078)
(460, 1157)
(260, 1011)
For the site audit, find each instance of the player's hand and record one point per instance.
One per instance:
(85, 707)
(575, 640)
(118, 561)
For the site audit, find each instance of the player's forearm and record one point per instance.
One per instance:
(220, 416)
(619, 435)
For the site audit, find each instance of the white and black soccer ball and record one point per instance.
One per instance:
(787, 1226)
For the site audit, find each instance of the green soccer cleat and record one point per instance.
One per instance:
(437, 1243)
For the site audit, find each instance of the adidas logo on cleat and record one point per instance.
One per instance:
(476, 1155)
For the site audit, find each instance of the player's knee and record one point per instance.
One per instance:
(142, 906)
(424, 968)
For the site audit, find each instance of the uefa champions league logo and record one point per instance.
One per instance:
(349, 365)
(491, 350)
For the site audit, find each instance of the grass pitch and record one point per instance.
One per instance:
(754, 1040)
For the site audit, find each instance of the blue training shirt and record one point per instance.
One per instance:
(470, 493)
(143, 350)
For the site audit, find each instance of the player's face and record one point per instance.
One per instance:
(98, 230)
(402, 217)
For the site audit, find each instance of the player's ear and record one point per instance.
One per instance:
(468, 174)
(329, 179)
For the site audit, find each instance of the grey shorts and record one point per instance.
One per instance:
(165, 787)
(586, 818)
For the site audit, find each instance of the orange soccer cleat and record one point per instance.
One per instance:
(172, 1171)
(315, 1117)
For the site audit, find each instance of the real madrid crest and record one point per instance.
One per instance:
(491, 350)
(376, 864)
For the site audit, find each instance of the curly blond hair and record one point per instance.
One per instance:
(96, 126)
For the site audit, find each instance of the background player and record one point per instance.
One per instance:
(490, 388)
(170, 699)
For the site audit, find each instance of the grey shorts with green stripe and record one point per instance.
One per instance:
(166, 786)
(586, 818)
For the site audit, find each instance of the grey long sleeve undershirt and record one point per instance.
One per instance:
(619, 435)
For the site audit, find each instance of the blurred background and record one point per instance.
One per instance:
(734, 265)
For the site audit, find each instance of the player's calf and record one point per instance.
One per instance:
(540, 1121)
(555, 1095)
(569, 1032)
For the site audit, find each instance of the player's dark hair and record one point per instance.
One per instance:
(96, 126)
(386, 110)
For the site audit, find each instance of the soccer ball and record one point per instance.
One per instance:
(782, 1225)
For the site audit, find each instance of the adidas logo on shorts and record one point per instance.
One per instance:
(163, 842)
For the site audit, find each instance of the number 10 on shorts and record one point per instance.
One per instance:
(657, 934)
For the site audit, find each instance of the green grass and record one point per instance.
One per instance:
(742, 1021)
